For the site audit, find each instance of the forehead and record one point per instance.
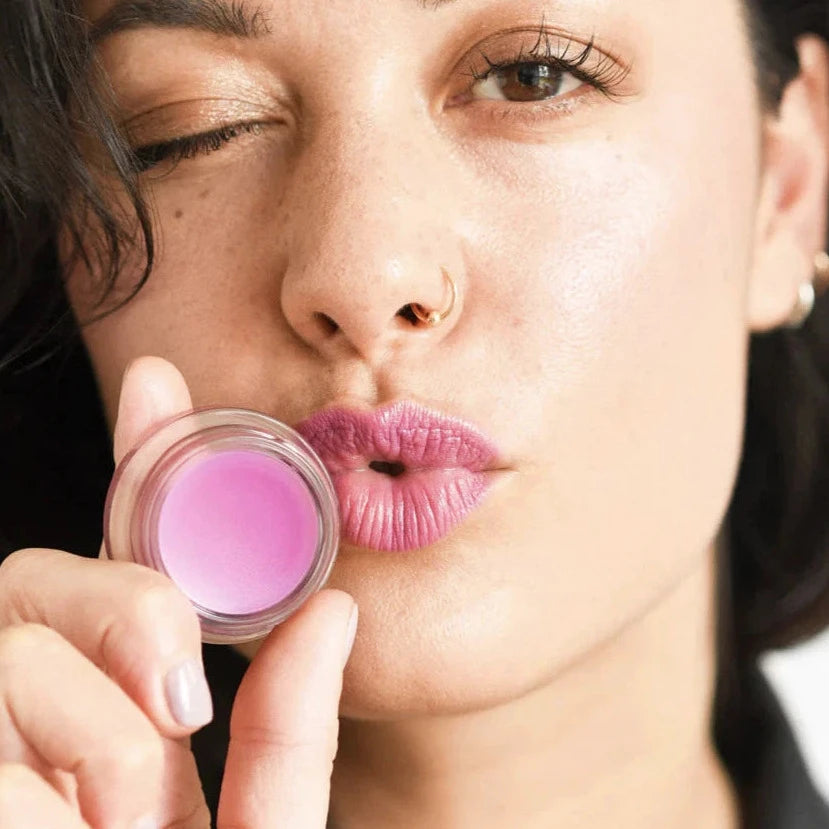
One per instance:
(237, 18)
(664, 41)
(229, 17)
(665, 38)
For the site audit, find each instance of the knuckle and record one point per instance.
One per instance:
(141, 757)
(131, 754)
(16, 572)
(319, 739)
(128, 633)
(19, 560)
(156, 598)
(11, 564)
(116, 763)
(22, 642)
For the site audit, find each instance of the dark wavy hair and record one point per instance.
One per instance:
(774, 575)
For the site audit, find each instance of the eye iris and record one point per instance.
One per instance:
(530, 81)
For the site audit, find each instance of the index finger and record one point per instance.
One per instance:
(132, 622)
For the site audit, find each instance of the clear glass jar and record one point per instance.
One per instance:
(236, 508)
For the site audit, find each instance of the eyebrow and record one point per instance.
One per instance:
(230, 18)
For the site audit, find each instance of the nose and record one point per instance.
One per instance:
(369, 236)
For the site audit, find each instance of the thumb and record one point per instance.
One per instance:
(284, 726)
(152, 390)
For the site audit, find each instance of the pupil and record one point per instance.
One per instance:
(529, 74)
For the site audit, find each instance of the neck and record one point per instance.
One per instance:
(622, 739)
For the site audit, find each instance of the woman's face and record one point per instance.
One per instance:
(602, 249)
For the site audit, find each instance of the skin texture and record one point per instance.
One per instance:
(611, 257)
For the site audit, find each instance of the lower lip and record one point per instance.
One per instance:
(413, 510)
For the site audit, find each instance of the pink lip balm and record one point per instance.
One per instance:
(236, 508)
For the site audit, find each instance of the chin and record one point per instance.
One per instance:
(434, 638)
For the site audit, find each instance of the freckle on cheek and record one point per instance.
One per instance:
(179, 213)
(203, 194)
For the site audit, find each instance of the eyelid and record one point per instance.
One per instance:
(191, 146)
(541, 38)
(213, 112)
(583, 59)
(600, 75)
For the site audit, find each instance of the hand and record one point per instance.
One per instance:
(101, 686)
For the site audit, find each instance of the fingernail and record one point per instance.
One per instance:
(146, 822)
(188, 695)
(350, 634)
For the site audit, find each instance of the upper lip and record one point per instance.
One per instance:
(402, 432)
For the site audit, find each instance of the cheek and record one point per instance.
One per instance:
(213, 290)
(623, 345)
(610, 282)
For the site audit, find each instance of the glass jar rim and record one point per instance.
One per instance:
(176, 441)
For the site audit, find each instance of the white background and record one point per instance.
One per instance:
(800, 678)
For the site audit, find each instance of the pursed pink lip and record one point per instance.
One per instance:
(405, 475)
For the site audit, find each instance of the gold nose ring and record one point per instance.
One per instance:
(432, 318)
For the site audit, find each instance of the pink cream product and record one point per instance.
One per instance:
(236, 508)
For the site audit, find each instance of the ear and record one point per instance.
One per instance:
(792, 206)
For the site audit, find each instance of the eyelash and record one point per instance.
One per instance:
(190, 146)
(603, 77)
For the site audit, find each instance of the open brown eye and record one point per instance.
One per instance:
(528, 81)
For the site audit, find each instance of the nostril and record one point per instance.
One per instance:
(329, 326)
(393, 469)
(407, 313)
